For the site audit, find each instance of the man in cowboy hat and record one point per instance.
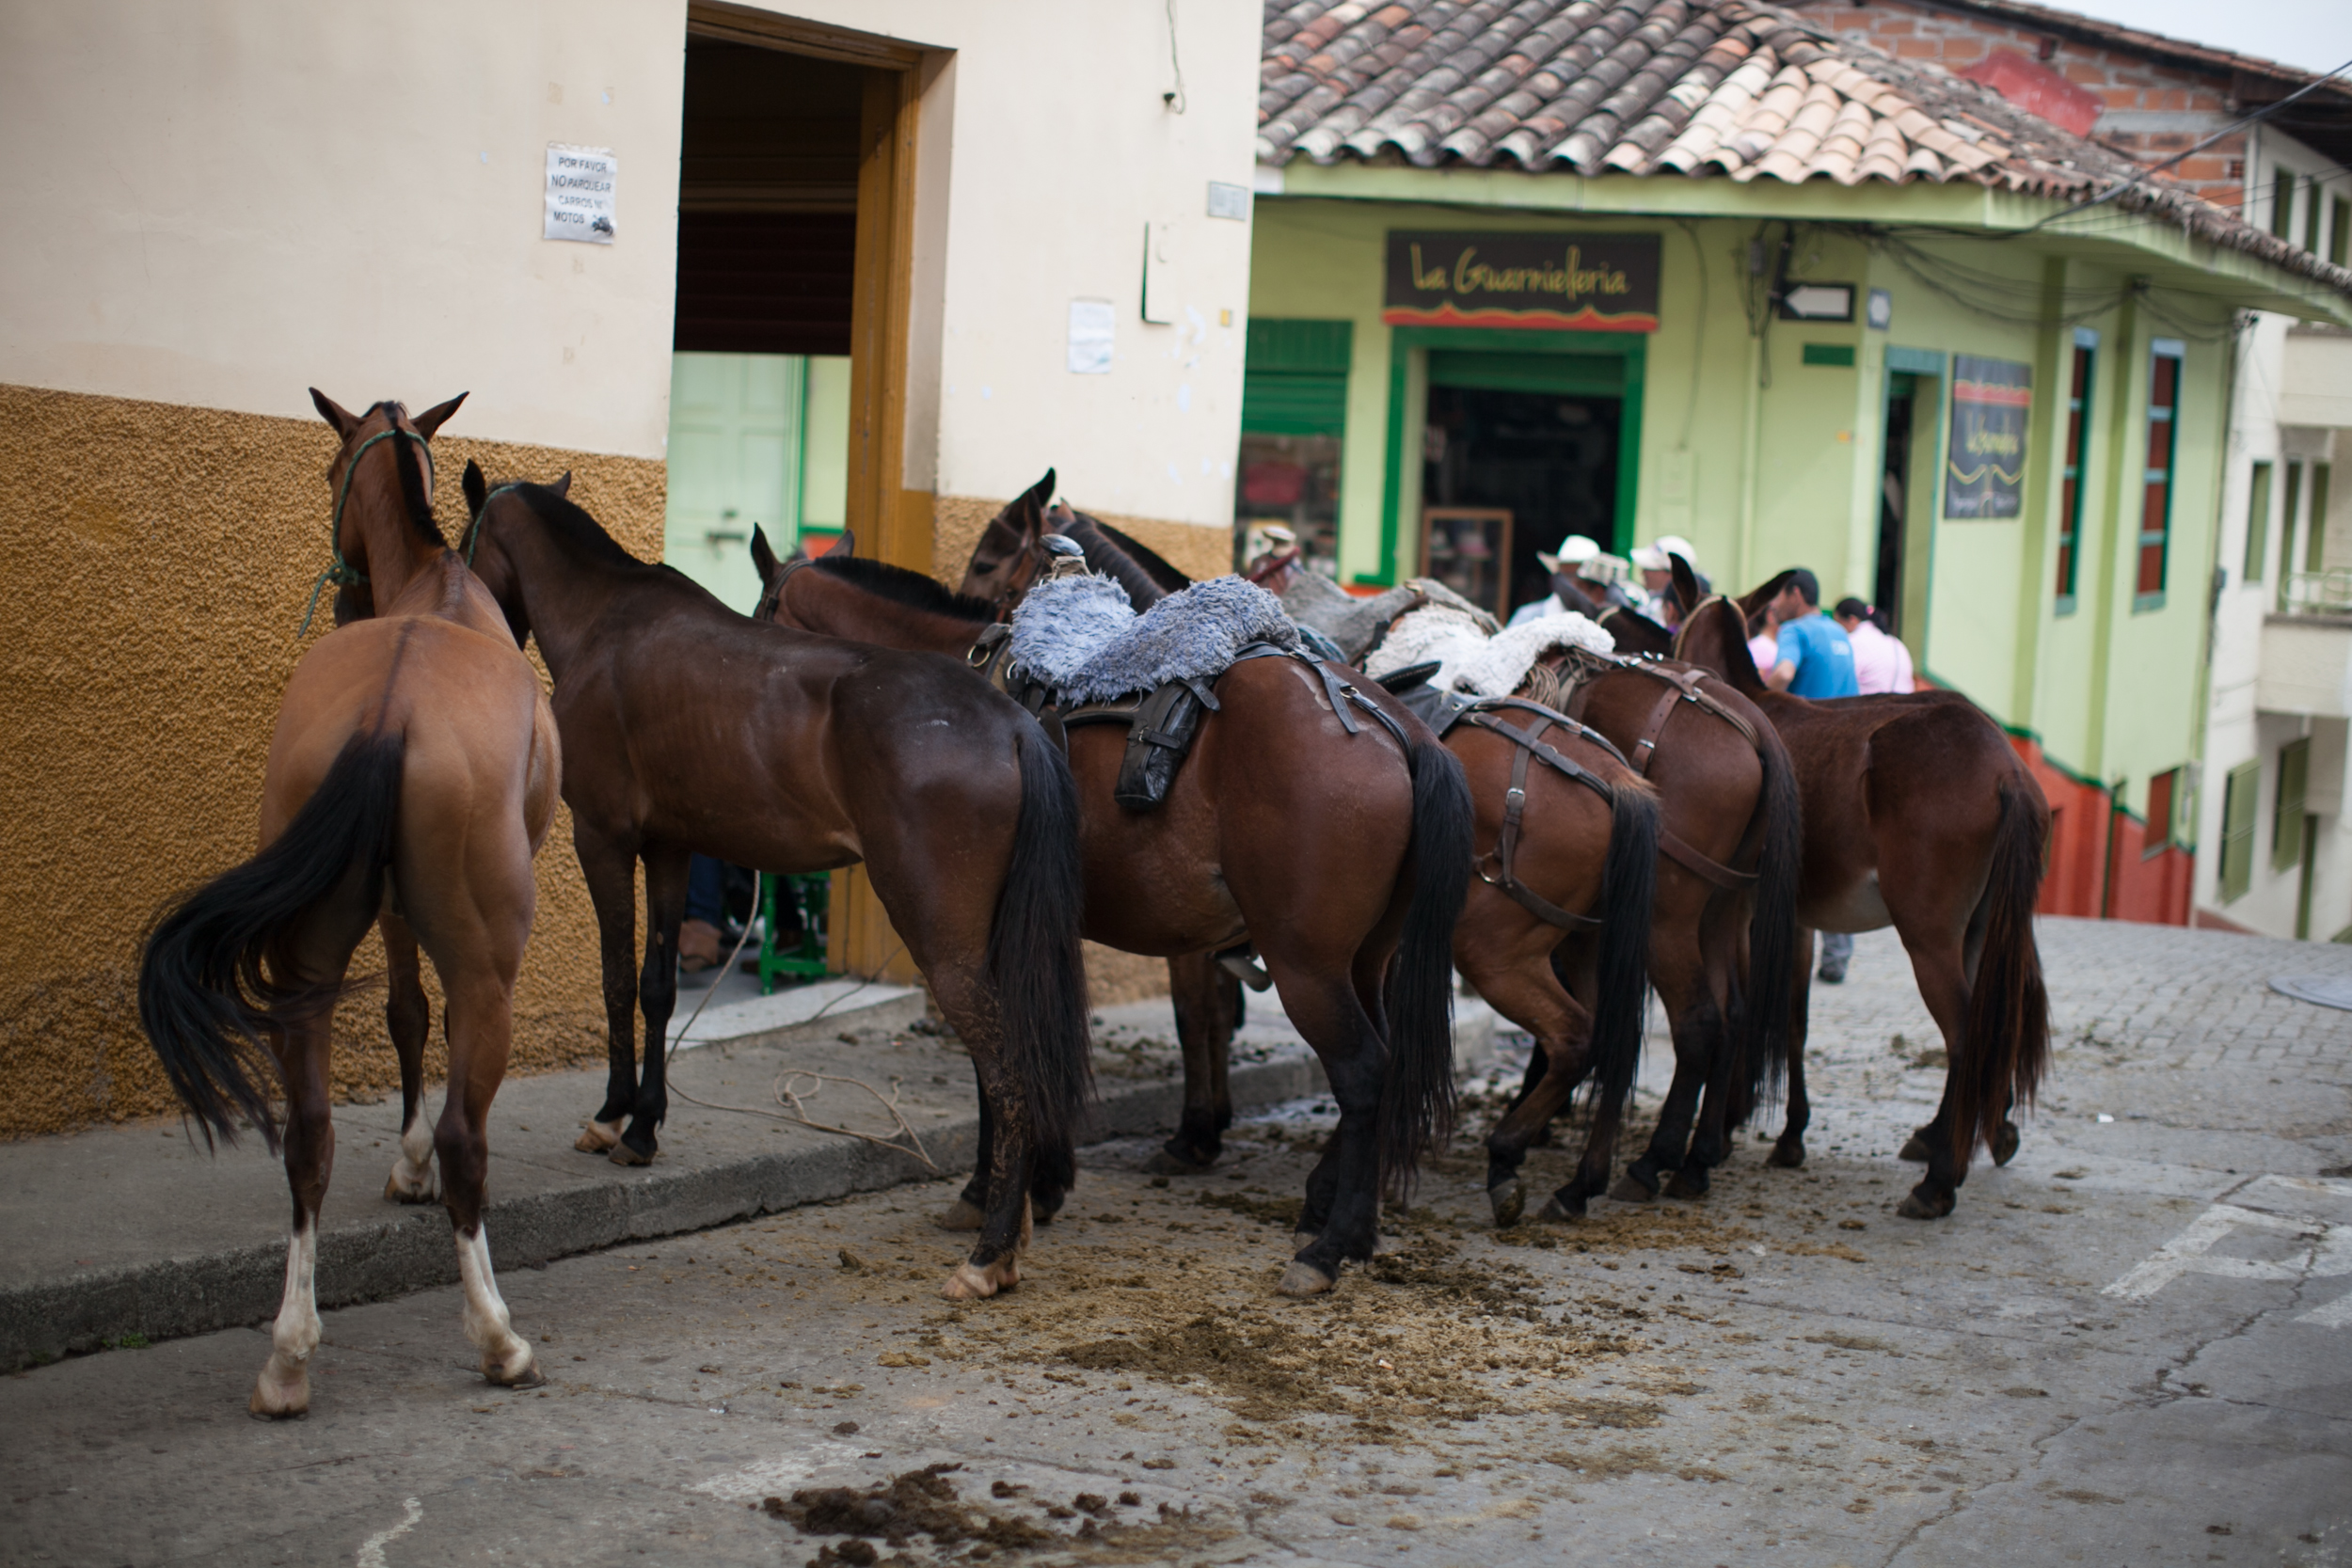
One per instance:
(1583, 576)
(1656, 563)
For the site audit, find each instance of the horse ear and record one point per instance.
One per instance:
(342, 419)
(1033, 505)
(763, 557)
(563, 486)
(434, 418)
(845, 546)
(1765, 592)
(1686, 582)
(477, 488)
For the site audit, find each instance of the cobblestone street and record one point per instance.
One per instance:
(2131, 1346)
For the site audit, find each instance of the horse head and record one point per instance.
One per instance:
(1011, 555)
(773, 574)
(389, 532)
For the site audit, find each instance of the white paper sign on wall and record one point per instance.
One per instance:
(580, 193)
(1090, 329)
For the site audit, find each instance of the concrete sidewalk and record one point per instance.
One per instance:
(138, 1231)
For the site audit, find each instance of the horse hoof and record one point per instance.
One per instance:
(413, 1190)
(1915, 1149)
(517, 1369)
(1386, 1244)
(626, 1154)
(597, 1136)
(977, 1281)
(1787, 1156)
(1631, 1188)
(1510, 1202)
(1690, 1183)
(1558, 1210)
(963, 1214)
(1305, 1280)
(280, 1398)
(2005, 1144)
(1169, 1160)
(1920, 1204)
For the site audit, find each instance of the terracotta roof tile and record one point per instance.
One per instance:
(1688, 87)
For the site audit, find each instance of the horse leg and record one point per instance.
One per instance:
(1517, 981)
(409, 1018)
(1788, 1149)
(657, 996)
(1008, 1163)
(611, 870)
(1943, 986)
(481, 1027)
(283, 1389)
(970, 1205)
(1204, 1028)
(1343, 1192)
(1724, 1104)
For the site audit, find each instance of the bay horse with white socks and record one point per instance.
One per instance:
(411, 779)
(1917, 815)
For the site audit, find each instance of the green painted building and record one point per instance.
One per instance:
(1779, 296)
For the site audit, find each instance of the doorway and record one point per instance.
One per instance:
(1543, 464)
(1902, 396)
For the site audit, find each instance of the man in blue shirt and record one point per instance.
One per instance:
(1814, 658)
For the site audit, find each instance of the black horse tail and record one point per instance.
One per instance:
(209, 1005)
(2006, 1030)
(1417, 1091)
(1036, 967)
(1764, 1033)
(1629, 882)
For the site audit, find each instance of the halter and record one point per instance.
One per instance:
(473, 524)
(342, 572)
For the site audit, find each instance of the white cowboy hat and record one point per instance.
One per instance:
(1575, 549)
(1674, 544)
(1652, 557)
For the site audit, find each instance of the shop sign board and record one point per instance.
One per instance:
(1558, 282)
(1984, 468)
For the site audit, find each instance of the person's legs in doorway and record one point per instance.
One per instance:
(699, 938)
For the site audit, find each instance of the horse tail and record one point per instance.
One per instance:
(1036, 967)
(207, 1004)
(2007, 1027)
(1629, 880)
(1417, 1091)
(1763, 1036)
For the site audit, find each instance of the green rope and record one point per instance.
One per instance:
(473, 529)
(342, 572)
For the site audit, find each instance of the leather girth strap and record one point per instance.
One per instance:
(1682, 686)
(1526, 743)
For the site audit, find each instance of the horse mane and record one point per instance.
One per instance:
(578, 531)
(405, 463)
(1107, 557)
(1154, 566)
(903, 586)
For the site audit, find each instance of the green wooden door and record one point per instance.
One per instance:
(735, 460)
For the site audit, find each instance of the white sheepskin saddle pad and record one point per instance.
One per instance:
(1471, 661)
(1081, 637)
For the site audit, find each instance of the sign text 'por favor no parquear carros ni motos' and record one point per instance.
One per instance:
(580, 193)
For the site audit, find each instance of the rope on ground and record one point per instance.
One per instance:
(786, 1095)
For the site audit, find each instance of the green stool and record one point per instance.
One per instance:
(805, 959)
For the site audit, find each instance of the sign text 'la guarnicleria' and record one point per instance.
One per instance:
(1574, 282)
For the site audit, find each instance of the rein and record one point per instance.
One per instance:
(473, 525)
(342, 572)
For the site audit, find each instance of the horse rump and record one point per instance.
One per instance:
(1036, 967)
(1629, 883)
(207, 999)
(2008, 1021)
(1417, 1092)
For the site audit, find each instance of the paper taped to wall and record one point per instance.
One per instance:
(580, 193)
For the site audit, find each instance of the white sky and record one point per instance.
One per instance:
(2316, 35)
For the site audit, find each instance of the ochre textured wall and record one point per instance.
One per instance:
(1196, 551)
(159, 558)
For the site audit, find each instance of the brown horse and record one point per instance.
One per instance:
(1337, 848)
(1919, 814)
(689, 728)
(1584, 839)
(410, 781)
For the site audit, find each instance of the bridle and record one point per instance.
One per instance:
(342, 572)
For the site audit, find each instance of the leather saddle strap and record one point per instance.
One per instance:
(1341, 695)
(1678, 849)
(1680, 684)
(1529, 743)
(1567, 722)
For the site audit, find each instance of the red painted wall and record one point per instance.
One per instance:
(2098, 864)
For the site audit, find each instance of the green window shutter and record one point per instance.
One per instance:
(2237, 829)
(2282, 204)
(2339, 229)
(2315, 550)
(2257, 525)
(1295, 380)
(2286, 827)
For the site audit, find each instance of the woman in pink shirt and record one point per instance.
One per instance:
(1881, 663)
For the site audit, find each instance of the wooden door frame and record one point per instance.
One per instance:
(892, 523)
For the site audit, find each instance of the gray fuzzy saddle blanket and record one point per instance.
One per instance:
(1081, 637)
(1315, 600)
